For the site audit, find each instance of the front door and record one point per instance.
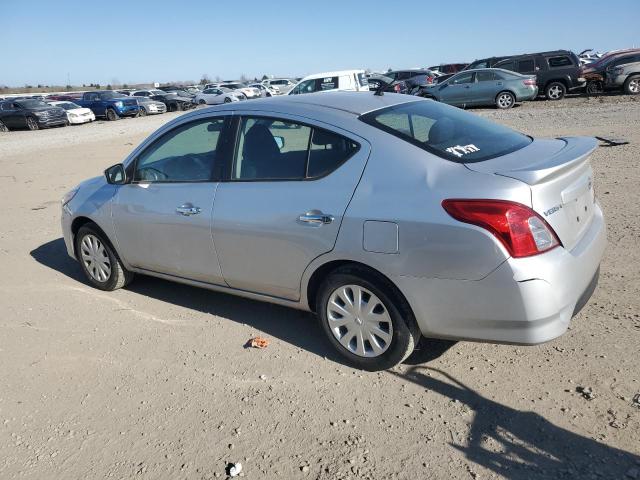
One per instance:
(163, 217)
(456, 90)
(289, 187)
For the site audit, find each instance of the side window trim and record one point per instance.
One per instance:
(132, 167)
(236, 121)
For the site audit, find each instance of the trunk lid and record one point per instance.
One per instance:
(559, 174)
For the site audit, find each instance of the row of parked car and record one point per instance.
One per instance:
(501, 81)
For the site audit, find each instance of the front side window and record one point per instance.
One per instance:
(273, 149)
(189, 153)
(308, 86)
(462, 78)
(563, 61)
(446, 131)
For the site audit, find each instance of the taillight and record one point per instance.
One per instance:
(521, 230)
(397, 88)
(529, 82)
(429, 79)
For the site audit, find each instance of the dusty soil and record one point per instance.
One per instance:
(153, 381)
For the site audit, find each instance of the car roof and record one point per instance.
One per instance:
(355, 103)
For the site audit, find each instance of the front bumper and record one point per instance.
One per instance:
(51, 122)
(128, 110)
(75, 120)
(524, 301)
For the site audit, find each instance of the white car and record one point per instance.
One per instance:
(75, 113)
(147, 93)
(350, 80)
(266, 91)
(216, 96)
(283, 85)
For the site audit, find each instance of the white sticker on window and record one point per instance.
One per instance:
(460, 150)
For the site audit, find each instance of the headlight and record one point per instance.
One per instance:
(119, 104)
(69, 196)
(40, 113)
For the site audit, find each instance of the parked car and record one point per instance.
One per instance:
(485, 62)
(472, 226)
(353, 80)
(617, 70)
(413, 78)
(282, 85)
(264, 90)
(109, 104)
(71, 97)
(75, 113)
(216, 96)
(382, 83)
(180, 91)
(149, 106)
(172, 100)
(487, 86)
(240, 88)
(32, 114)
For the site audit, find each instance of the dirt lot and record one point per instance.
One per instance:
(153, 381)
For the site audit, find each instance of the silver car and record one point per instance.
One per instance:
(390, 216)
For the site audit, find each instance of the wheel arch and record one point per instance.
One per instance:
(80, 222)
(562, 80)
(322, 271)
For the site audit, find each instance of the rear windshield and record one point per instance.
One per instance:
(446, 131)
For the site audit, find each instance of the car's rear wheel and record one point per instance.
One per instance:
(632, 85)
(111, 114)
(505, 100)
(593, 87)
(32, 123)
(99, 261)
(555, 91)
(3, 127)
(365, 321)
(142, 112)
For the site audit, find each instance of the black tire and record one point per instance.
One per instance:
(555, 91)
(142, 112)
(202, 102)
(3, 127)
(32, 123)
(505, 100)
(227, 100)
(632, 85)
(593, 88)
(118, 275)
(405, 334)
(111, 114)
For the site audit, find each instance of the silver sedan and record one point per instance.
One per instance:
(389, 216)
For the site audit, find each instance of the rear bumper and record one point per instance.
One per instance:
(530, 95)
(524, 301)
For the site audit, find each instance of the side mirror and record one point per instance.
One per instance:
(279, 142)
(116, 175)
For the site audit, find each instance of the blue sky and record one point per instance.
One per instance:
(145, 41)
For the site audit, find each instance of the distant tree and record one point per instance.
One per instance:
(218, 79)
(264, 77)
(69, 87)
(109, 87)
(124, 85)
(28, 86)
(243, 78)
(40, 85)
(205, 79)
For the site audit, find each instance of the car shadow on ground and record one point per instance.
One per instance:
(523, 445)
(296, 327)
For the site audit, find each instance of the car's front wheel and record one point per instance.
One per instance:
(99, 261)
(632, 85)
(202, 102)
(111, 114)
(3, 127)
(142, 112)
(365, 320)
(32, 123)
(505, 100)
(227, 100)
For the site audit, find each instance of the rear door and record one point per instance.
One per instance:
(485, 88)
(282, 206)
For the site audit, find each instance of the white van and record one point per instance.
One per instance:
(353, 80)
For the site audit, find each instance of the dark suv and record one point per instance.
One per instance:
(557, 72)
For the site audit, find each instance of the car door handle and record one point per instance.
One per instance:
(315, 217)
(187, 210)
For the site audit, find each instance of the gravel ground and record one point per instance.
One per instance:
(154, 381)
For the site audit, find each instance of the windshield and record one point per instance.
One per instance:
(446, 131)
(32, 103)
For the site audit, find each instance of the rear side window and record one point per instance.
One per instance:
(486, 76)
(326, 83)
(525, 66)
(563, 61)
(446, 131)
